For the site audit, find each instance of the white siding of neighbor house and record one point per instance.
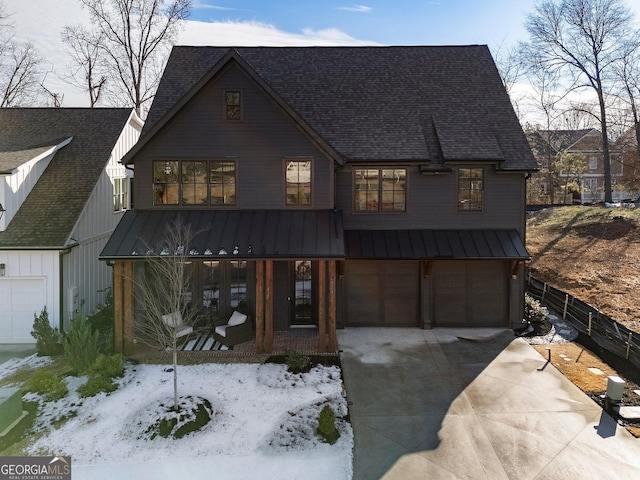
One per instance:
(15, 188)
(83, 273)
(30, 283)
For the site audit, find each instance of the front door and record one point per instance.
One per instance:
(302, 294)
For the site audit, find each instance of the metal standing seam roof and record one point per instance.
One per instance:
(256, 234)
(435, 244)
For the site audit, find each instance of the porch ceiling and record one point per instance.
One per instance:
(435, 244)
(275, 234)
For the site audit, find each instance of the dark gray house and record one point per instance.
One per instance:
(337, 187)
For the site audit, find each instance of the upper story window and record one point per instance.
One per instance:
(233, 105)
(380, 189)
(120, 194)
(593, 163)
(194, 182)
(298, 182)
(470, 189)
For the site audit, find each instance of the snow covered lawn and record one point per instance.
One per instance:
(263, 425)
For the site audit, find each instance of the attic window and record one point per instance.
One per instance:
(233, 105)
(470, 189)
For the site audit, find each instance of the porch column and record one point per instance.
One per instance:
(118, 306)
(268, 328)
(127, 287)
(333, 341)
(322, 311)
(260, 306)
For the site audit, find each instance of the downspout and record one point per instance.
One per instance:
(64, 252)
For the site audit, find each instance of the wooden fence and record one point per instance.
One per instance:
(606, 332)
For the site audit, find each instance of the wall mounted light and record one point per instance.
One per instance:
(2, 210)
(2, 270)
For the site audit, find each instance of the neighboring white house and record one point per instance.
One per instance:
(62, 192)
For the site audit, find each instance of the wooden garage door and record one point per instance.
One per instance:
(20, 298)
(470, 293)
(382, 293)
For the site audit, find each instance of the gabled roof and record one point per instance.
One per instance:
(368, 104)
(50, 212)
(565, 139)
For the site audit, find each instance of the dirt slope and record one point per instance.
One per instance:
(593, 253)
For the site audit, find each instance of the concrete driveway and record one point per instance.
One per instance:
(475, 404)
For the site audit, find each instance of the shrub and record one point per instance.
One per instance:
(533, 311)
(102, 321)
(101, 374)
(45, 382)
(80, 345)
(327, 425)
(47, 337)
(297, 362)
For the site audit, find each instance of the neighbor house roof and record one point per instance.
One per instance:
(369, 104)
(50, 212)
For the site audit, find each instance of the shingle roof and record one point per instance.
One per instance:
(50, 212)
(425, 104)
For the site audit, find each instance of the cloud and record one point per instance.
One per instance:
(245, 33)
(356, 9)
(206, 6)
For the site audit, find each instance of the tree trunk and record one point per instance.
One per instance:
(606, 156)
(175, 376)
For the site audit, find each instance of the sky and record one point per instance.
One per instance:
(496, 23)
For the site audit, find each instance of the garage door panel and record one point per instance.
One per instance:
(362, 293)
(400, 294)
(19, 300)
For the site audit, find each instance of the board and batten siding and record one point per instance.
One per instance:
(30, 284)
(86, 281)
(432, 202)
(260, 143)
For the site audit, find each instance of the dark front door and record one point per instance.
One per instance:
(302, 296)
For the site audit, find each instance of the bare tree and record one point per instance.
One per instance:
(628, 72)
(88, 69)
(133, 37)
(162, 290)
(583, 39)
(20, 68)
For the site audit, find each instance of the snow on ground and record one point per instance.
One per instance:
(263, 425)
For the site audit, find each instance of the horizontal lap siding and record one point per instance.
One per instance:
(259, 143)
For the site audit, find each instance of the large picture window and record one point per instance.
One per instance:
(298, 182)
(380, 190)
(194, 182)
(470, 189)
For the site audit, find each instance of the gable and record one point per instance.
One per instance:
(369, 103)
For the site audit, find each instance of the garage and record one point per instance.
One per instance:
(472, 293)
(20, 298)
(382, 293)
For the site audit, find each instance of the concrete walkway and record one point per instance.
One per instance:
(473, 404)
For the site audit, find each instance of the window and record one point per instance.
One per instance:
(233, 105)
(194, 182)
(470, 189)
(222, 181)
(380, 189)
(298, 182)
(593, 163)
(120, 194)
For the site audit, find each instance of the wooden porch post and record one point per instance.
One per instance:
(322, 298)
(268, 330)
(259, 306)
(333, 341)
(127, 287)
(118, 273)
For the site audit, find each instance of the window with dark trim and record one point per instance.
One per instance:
(194, 182)
(233, 105)
(470, 189)
(380, 189)
(298, 181)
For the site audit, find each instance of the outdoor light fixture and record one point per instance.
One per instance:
(2, 210)
(2, 269)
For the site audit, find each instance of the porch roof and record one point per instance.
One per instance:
(435, 244)
(275, 234)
